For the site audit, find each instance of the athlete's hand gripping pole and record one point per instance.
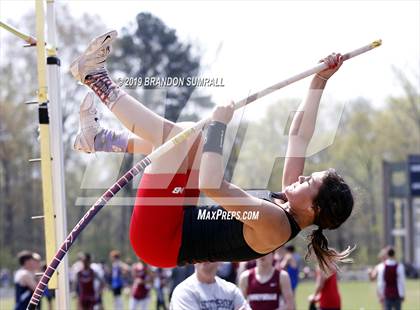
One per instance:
(167, 146)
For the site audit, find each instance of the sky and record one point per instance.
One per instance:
(264, 42)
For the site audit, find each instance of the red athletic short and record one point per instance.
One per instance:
(156, 222)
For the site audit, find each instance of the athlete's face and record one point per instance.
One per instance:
(302, 193)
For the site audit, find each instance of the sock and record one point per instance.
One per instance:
(104, 87)
(108, 140)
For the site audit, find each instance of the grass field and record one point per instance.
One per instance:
(361, 295)
(354, 296)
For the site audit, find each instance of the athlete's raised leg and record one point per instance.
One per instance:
(89, 68)
(161, 196)
(92, 137)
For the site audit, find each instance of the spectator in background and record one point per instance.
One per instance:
(245, 266)
(85, 278)
(308, 273)
(4, 277)
(278, 257)
(128, 276)
(179, 274)
(264, 286)
(140, 290)
(75, 268)
(107, 271)
(373, 272)
(99, 284)
(391, 282)
(227, 271)
(25, 281)
(204, 290)
(290, 263)
(326, 292)
(118, 269)
(159, 283)
(382, 257)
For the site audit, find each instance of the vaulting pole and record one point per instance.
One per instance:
(164, 148)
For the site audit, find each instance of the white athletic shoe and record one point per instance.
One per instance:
(88, 125)
(93, 59)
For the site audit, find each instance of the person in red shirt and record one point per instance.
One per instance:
(326, 292)
(85, 285)
(264, 286)
(160, 281)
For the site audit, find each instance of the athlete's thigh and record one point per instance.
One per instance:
(178, 159)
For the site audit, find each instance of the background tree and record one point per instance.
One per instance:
(151, 49)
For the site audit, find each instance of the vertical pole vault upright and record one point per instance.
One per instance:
(56, 130)
(51, 148)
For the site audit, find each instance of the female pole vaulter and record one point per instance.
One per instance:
(165, 228)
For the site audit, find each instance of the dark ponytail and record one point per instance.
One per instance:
(327, 258)
(333, 205)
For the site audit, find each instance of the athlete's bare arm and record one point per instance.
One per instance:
(287, 260)
(243, 282)
(257, 232)
(319, 284)
(303, 123)
(28, 281)
(286, 291)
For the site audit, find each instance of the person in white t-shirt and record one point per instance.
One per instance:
(98, 284)
(203, 290)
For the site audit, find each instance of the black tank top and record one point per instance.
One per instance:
(205, 239)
